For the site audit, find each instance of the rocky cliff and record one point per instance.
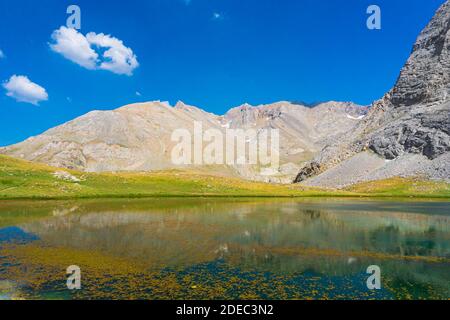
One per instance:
(405, 133)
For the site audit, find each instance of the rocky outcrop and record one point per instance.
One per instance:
(311, 169)
(425, 78)
(420, 95)
(412, 119)
(425, 133)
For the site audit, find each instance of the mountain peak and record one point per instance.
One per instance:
(147, 104)
(406, 132)
(425, 78)
(180, 105)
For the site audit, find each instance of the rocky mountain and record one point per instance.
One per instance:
(406, 133)
(138, 137)
(333, 144)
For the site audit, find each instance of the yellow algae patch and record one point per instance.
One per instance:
(102, 275)
(310, 252)
(64, 257)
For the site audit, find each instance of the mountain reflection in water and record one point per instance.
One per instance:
(247, 248)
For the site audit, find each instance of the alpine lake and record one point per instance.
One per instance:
(214, 248)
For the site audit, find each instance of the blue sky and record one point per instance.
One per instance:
(215, 54)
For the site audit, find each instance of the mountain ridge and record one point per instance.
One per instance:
(332, 144)
(137, 137)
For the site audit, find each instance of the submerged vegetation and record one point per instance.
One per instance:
(193, 248)
(107, 277)
(224, 248)
(21, 179)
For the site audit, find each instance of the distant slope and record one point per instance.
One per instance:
(138, 137)
(21, 179)
(24, 179)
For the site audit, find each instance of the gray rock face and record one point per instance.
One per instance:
(426, 75)
(412, 119)
(426, 133)
(307, 171)
(421, 90)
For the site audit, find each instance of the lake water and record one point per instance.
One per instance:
(225, 249)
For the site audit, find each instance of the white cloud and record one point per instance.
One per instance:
(118, 58)
(75, 47)
(2, 55)
(23, 90)
(80, 49)
(217, 16)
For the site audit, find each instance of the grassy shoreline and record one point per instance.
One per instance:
(194, 196)
(24, 180)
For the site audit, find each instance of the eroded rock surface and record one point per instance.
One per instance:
(412, 119)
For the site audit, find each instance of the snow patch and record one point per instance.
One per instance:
(355, 118)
